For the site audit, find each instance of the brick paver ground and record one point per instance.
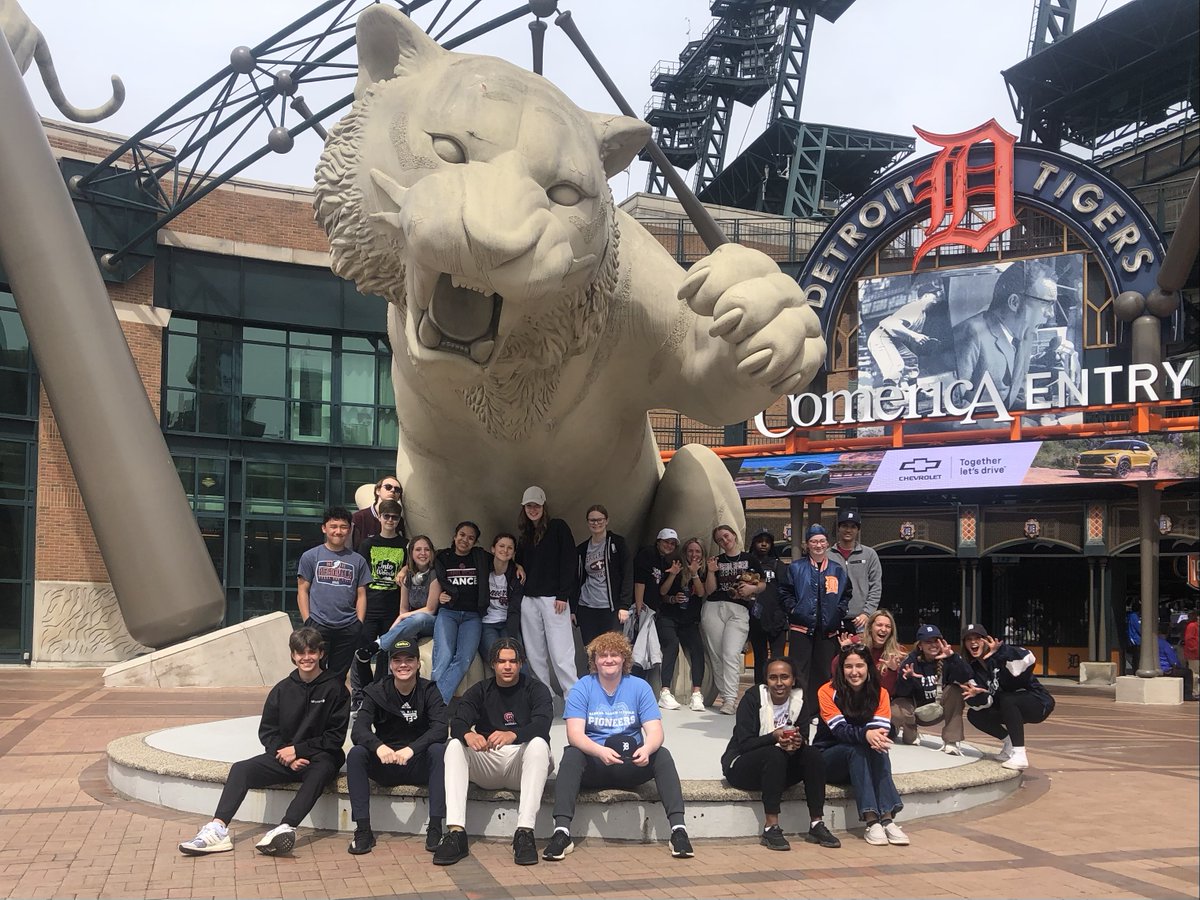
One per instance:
(1110, 810)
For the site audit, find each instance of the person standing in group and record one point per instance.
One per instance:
(1190, 645)
(385, 553)
(462, 572)
(769, 752)
(615, 740)
(734, 580)
(499, 740)
(853, 736)
(816, 595)
(862, 565)
(768, 621)
(886, 652)
(678, 618)
(605, 578)
(546, 550)
(367, 522)
(1168, 664)
(503, 616)
(655, 570)
(929, 690)
(1003, 695)
(399, 738)
(331, 591)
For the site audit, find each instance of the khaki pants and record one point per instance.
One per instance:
(1194, 665)
(523, 767)
(905, 719)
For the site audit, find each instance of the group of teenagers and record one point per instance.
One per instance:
(862, 689)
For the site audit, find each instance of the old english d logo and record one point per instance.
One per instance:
(949, 187)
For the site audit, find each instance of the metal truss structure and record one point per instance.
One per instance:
(198, 144)
(1053, 20)
(1127, 74)
(806, 170)
(750, 48)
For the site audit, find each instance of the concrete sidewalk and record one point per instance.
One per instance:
(1110, 810)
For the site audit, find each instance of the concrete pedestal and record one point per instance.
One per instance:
(1152, 691)
(248, 654)
(1097, 672)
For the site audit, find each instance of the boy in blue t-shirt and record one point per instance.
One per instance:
(614, 735)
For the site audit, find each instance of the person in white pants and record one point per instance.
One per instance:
(734, 580)
(546, 550)
(499, 738)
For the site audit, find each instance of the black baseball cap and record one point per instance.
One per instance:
(977, 630)
(849, 517)
(404, 647)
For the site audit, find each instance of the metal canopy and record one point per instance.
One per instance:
(806, 169)
(1131, 69)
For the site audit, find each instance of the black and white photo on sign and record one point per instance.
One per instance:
(1001, 320)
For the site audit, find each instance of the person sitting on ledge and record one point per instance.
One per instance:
(769, 752)
(399, 738)
(1168, 664)
(1003, 696)
(615, 732)
(302, 731)
(499, 738)
(856, 716)
(929, 690)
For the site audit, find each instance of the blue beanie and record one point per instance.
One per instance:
(815, 529)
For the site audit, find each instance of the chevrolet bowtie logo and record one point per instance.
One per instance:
(920, 464)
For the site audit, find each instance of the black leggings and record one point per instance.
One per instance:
(772, 770)
(671, 635)
(594, 622)
(1009, 713)
(813, 659)
(765, 647)
(265, 770)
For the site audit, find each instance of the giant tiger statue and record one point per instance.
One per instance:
(533, 324)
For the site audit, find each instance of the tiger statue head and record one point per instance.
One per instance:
(473, 195)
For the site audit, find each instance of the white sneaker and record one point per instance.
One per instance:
(951, 748)
(697, 701)
(212, 838)
(875, 835)
(729, 708)
(280, 839)
(1006, 750)
(895, 835)
(667, 700)
(1018, 760)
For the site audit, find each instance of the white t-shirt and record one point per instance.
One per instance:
(497, 610)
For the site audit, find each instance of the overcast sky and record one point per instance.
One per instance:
(885, 65)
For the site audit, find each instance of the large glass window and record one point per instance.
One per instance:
(283, 385)
(18, 395)
(16, 523)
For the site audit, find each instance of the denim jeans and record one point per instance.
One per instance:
(492, 632)
(455, 642)
(414, 627)
(869, 773)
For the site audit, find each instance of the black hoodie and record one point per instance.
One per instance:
(311, 717)
(413, 720)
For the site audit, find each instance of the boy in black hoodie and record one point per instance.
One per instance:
(500, 738)
(399, 738)
(302, 730)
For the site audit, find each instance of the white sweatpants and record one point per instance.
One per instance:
(726, 626)
(549, 641)
(517, 766)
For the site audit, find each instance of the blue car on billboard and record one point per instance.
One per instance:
(796, 476)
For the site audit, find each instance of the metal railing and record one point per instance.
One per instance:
(784, 240)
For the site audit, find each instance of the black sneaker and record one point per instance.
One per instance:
(560, 845)
(681, 847)
(452, 848)
(433, 837)
(365, 654)
(819, 834)
(363, 841)
(773, 837)
(524, 848)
